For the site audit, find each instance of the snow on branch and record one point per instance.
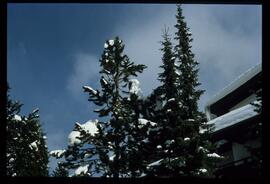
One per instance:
(35, 110)
(89, 89)
(17, 117)
(111, 42)
(143, 122)
(134, 86)
(171, 100)
(214, 155)
(33, 145)
(81, 170)
(156, 163)
(90, 127)
(57, 153)
(74, 138)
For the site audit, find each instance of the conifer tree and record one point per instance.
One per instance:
(193, 120)
(60, 171)
(180, 145)
(26, 146)
(166, 115)
(106, 150)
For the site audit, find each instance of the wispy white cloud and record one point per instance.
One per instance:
(223, 52)
(85, 72)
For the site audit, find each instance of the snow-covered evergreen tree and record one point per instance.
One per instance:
(198, 158)
(180, 145)
(26, 143)
(103, 147)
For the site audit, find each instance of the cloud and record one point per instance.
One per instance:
(143, 47)
(224, 51)
(85, 71)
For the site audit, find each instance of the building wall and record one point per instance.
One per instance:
(239, 151)
(244, 102)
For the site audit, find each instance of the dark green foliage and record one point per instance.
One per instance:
(166, 128)
(60, 171)
(177, 143)
(120, 107)
(26, 147)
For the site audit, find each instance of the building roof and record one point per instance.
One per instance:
(240, 80)
(233, 117)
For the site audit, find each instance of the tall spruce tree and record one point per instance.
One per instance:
(164, 139)
(108, 150)
(189, 95)
(26, 146)
(180, 145)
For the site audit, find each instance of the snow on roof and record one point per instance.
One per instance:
(89, 127)
(233, 117)
(240, 80)
(82, 169)
(17, 117)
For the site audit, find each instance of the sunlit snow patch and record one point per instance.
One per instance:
(57, 153)
(81, 170)
(89, 127)
(111, 42)
(134, 86)
(73, 138)
(17, 117)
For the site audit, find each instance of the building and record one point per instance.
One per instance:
(237, 126)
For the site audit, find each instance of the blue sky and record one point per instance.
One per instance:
(54, 49)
